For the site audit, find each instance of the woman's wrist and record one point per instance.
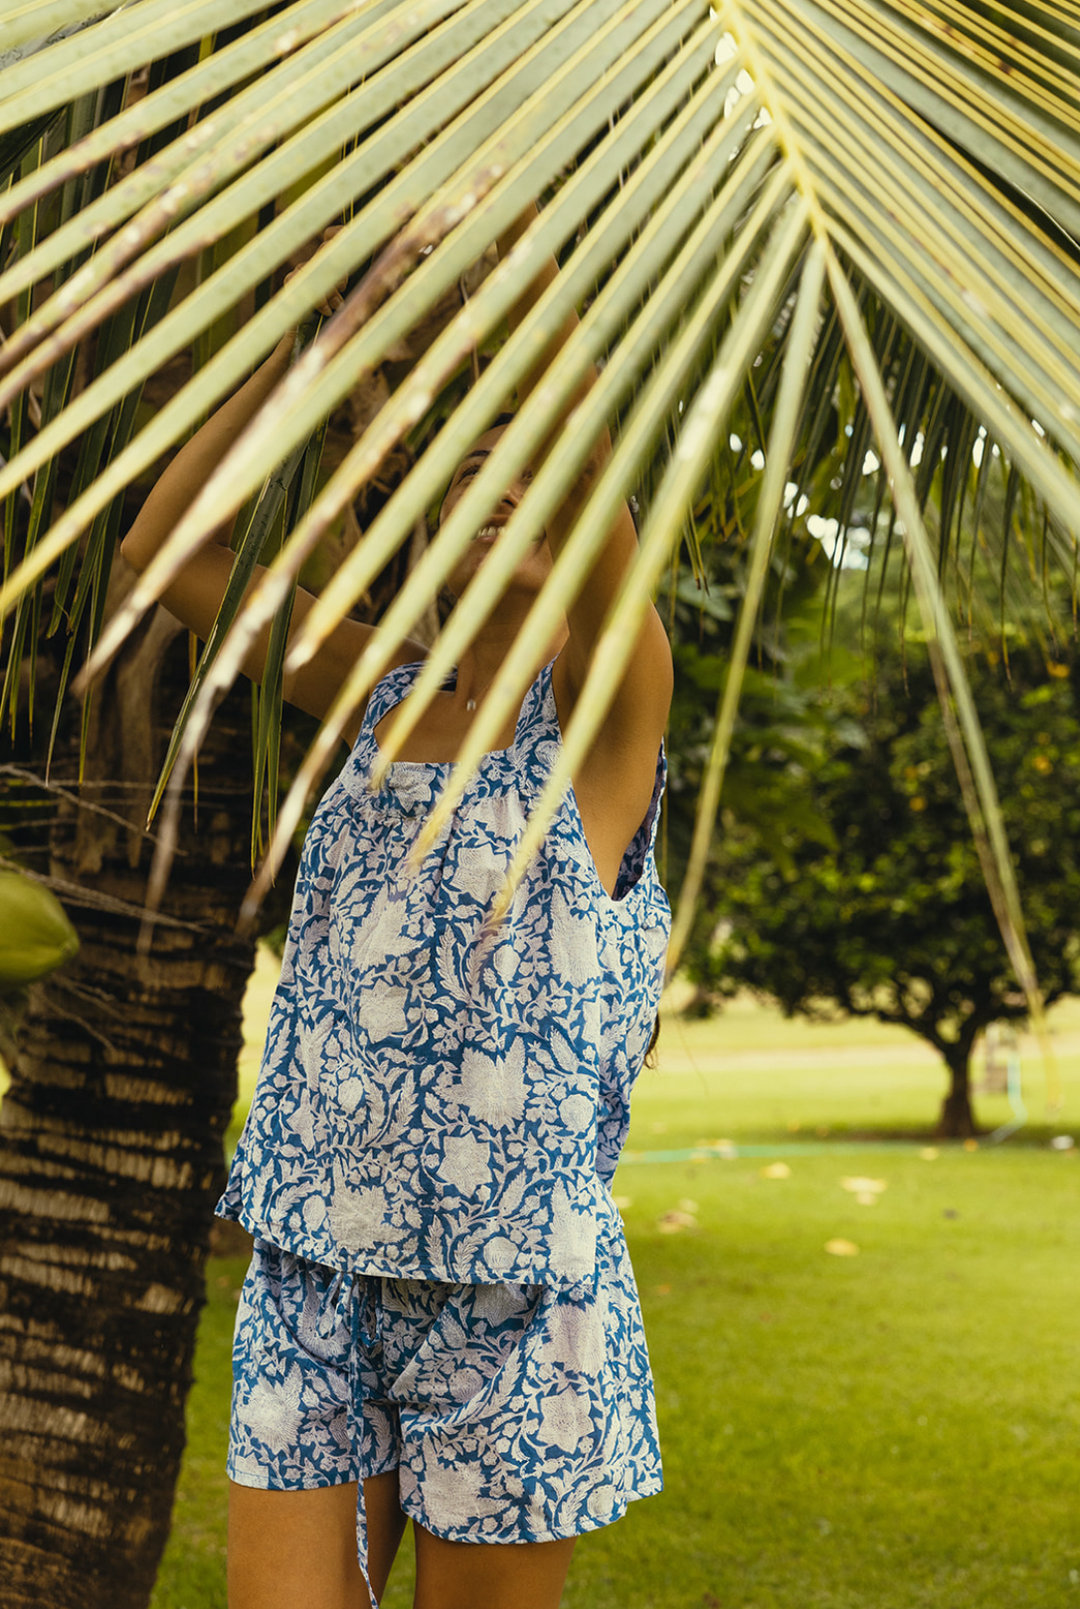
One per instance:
(282, 354)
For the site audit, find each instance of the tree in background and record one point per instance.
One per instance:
(892, 919)
(783, 727)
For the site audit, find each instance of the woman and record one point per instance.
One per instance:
(440, 1320)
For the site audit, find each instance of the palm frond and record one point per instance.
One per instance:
(966, 740)
(132, 36)
(696, 168)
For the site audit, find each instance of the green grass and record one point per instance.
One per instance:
(885, 1430)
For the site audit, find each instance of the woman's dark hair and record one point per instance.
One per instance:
(650, 1054)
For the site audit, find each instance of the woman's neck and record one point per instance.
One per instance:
(480, 663)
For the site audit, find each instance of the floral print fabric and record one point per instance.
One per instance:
(513, 1413)
(438, 1102)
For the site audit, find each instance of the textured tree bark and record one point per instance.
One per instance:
(111, 1155)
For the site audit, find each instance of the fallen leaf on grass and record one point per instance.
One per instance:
(726, 1149)
(841, 1248)
(686, 1205)
(971, 1145)
(776, 1170)
(672, 1222)
(929, 1153)
(624, 1203)
(859, 1186)
(1062, 1142)
(865, 1191)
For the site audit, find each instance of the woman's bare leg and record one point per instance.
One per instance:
(297, 1550)
(489, 1575)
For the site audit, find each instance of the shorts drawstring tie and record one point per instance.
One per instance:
(359, 1297)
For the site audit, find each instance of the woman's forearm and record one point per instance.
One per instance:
(193, 465)
(530, 295)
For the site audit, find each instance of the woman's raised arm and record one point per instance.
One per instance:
(618, 775)
(194, 597)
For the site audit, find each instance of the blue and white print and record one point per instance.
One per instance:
(512, 1413)
(436, 1103)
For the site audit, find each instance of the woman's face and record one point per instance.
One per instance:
(535, 565)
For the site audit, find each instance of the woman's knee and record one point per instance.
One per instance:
(499, 1575)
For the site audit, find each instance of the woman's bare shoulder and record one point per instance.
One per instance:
(316, 685)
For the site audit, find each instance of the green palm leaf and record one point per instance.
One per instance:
(700, 172)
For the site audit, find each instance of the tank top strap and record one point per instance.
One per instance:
(537, 737)
(652, 819)
(388, 691)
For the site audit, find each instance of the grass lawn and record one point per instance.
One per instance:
(885, 1429)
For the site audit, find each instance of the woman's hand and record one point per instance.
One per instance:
(335, 297)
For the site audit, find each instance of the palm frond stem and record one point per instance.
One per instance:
(219, 71)
(132, 36)
(971, 119)
(248, 126)
(966, 739)
(798, 352)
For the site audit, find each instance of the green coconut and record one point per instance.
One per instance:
(35, 934)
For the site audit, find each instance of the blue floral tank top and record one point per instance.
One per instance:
(434, 1102)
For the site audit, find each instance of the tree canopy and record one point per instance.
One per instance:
(891, 918)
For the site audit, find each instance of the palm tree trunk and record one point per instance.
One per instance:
(111, 1159)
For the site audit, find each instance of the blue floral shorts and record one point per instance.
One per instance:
(512, 1413)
